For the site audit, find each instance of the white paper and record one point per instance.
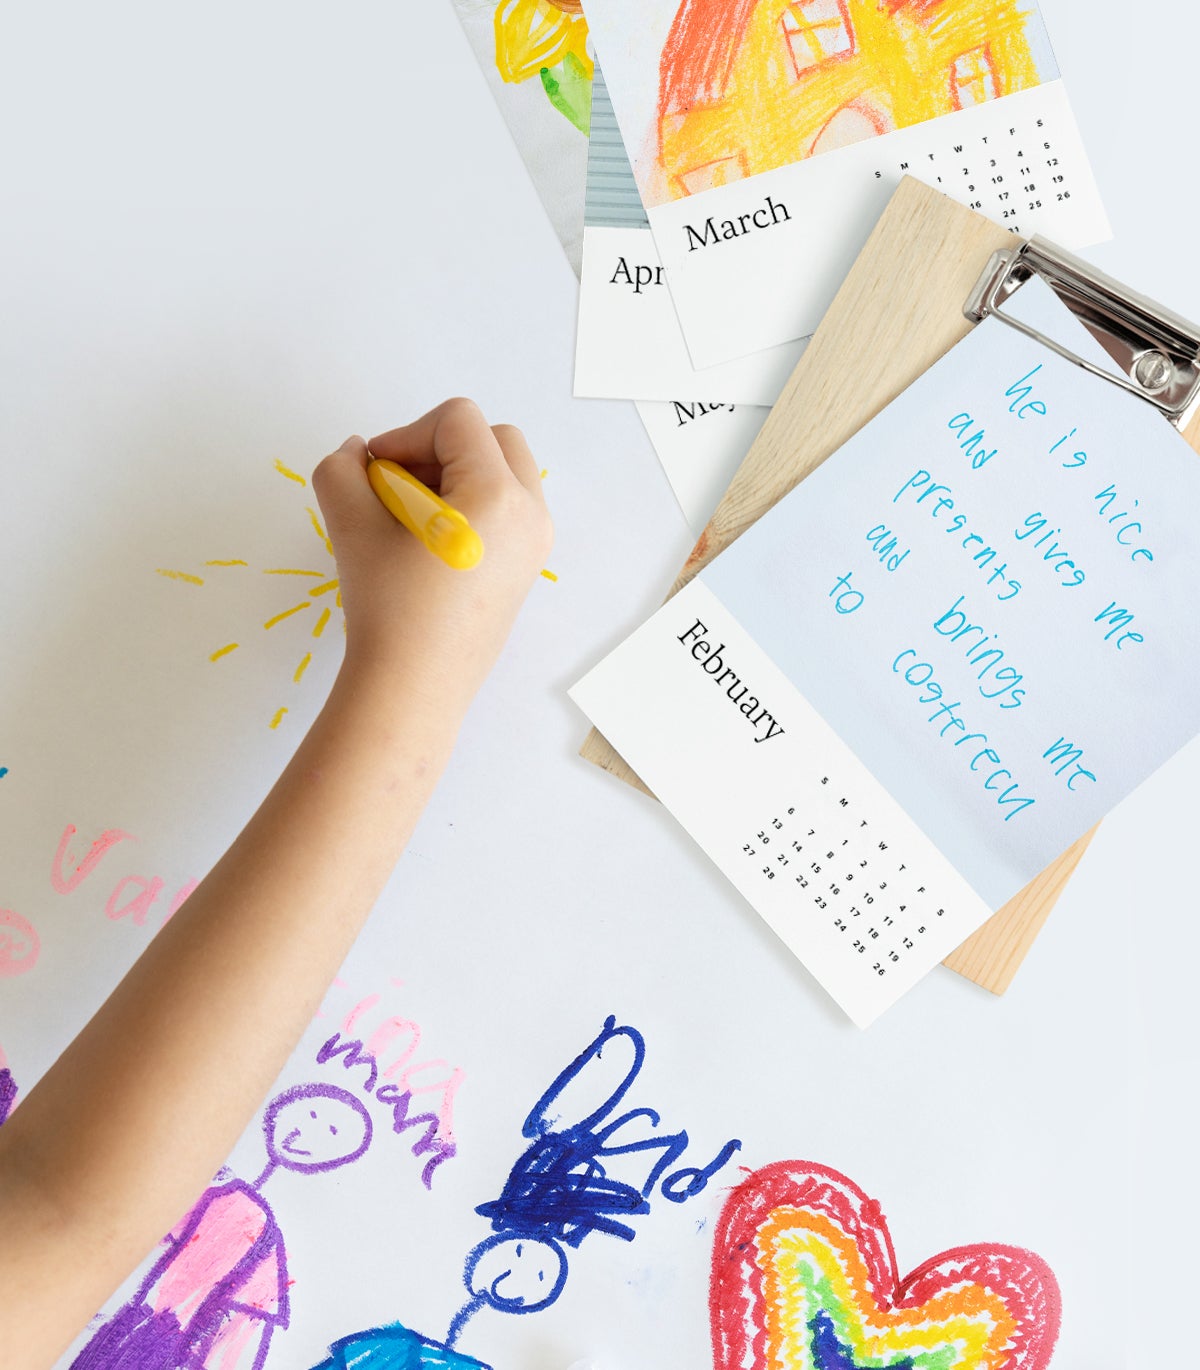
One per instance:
(629, 342)
(197, 297)
(984, 595)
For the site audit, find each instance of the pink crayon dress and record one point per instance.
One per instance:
(211, 1300)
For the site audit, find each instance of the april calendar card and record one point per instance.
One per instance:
(766, 137)
(908, 688)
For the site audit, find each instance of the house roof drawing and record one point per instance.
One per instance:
(748, 85)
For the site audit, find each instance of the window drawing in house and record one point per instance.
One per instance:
(973, 78)
(816, 31)
(749, 85)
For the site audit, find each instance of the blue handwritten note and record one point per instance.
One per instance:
(933, 666)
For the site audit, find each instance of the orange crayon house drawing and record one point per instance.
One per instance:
(748, 85)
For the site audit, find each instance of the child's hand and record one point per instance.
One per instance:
(437, 630)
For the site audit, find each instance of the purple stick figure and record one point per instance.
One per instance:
(220, 1288)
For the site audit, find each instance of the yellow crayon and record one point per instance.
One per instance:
(427, 516)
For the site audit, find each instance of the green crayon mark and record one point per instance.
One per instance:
(569, 88)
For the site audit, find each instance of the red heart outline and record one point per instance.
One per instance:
(737, 1308)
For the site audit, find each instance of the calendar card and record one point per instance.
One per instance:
(628, 342)
(934, 665)
(767, 136)
(700, 447)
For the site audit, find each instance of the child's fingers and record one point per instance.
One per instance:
(427, 472)
(520, 459)
(352, 452)
(342, 489)
(455, 435)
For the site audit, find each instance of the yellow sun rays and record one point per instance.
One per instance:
(328, 585)
(289, 473)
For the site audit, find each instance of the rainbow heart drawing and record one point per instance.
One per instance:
(804, 1278)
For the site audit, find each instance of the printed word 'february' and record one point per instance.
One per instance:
(713, 664)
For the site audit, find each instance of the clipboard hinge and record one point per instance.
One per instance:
(1158, 351)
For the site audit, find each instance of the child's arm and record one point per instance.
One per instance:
(131, 1122)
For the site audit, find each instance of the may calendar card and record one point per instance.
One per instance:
(929, 669)
(766, 137)
(700, 447)
(629, 344)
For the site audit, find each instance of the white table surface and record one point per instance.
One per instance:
(252, 229)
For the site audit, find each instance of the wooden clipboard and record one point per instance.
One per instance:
(899, 310)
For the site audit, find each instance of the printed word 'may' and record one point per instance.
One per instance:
(685, 413)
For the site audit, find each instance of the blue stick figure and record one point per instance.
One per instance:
(562, 1188)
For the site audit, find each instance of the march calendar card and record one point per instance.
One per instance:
(766, 137)
(629, 345)
(942, 658)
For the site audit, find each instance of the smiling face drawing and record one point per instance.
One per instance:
(316, 1127)
(516, 1274)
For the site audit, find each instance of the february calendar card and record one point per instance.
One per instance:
(766, 137)
(941, 659)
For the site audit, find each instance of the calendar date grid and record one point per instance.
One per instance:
(842, 867)
(1014, 174)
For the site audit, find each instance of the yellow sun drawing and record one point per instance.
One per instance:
(315, 599)
(328, 585)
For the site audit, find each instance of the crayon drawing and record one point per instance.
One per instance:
(219, 1291)
(547, 39)
(804, 1277)
(584, 1171)
(747, 86)
(20, 944)
(8, 1088)
(391, 1073)
(327, 584)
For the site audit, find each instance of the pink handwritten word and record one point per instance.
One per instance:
(133, 895)
(65, 883)
(398, 1081)
(19, 946)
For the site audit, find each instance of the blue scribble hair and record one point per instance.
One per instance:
(558, 1190)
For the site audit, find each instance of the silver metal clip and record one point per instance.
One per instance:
(1158, 351)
